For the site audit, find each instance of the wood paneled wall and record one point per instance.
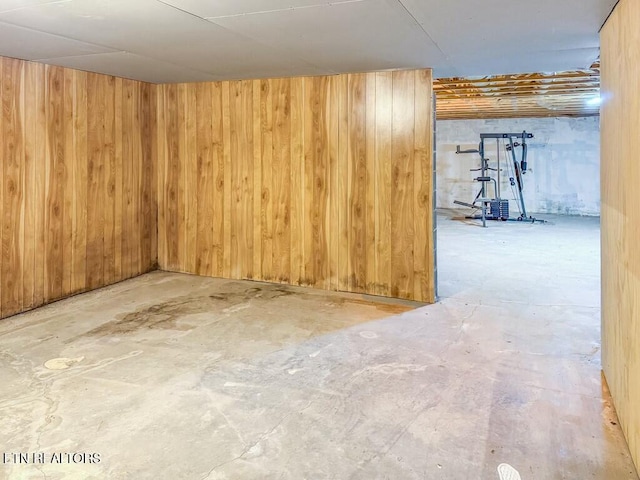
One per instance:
(77, 197)
(620, 180)
(318, 181)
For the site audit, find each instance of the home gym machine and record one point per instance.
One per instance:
(496, 207)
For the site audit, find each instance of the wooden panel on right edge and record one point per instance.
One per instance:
(620, 217)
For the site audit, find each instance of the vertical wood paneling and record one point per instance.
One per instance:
(162, 185)
(335, 207)
(108, 189)
(370, 184)
(263, 125)
(402, 197)
(173, 190)
(148, 199)
(191, 178)
(258, 190)
(383, 205)
(281, 178)
(29, 126)
(40, 184)
(357, 160)
(227, 186)
(342, 188)
(316, 190)
(13, 180)
(242, 219)
(312, 90)
(248, 168)
(136, 180)
(423, 261)
(216, 213)
(68, 163)
(620, 216)
(321, 181)
(120, 207)
(205, 179)
(184, 162)
(63, 166)
(95, 184)
(296, 180)
(320, 207)
(55, 185)
(79, 173)
(127, 189)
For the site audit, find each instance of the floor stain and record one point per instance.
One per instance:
(167, 315)
(384, 307)
(61, 363)
(266, 292)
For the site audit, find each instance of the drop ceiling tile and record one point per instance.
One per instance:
(128, 65)
(356, 36)
(246, 69)
(27, 44)
(7, 5)
(304, 37)
(223, 8)
(504, 27)
(121, 24)
(152, 29)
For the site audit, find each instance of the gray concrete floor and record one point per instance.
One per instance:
(171, 376)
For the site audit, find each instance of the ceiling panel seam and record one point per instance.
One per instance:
(210, 22)
(301, 7)
(170, 5)
(113, 50)
(182, 67)
(446, 57)
(29, 6)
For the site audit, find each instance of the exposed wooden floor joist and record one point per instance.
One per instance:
(523, 95)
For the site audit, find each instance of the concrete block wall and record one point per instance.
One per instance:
(563, 158)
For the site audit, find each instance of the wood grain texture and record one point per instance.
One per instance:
(296, 181)
(13, 180)
(55, 167)
(190, 179)
(620, 217)
(320, 181)
(383, 163)
(128, 259)
(205, 178)
(281, 178)
(67, 147)
(403, 200)
(149, 191)
(29, 126)
(340, 187)
(334, 165)
(108, 158)
(357, 161)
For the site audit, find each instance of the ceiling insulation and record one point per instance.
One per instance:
(573, 94)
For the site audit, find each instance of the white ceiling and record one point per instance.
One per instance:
(165, 41)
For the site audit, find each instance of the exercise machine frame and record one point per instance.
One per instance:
(498, 206)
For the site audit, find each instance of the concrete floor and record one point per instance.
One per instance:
(172, 376)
